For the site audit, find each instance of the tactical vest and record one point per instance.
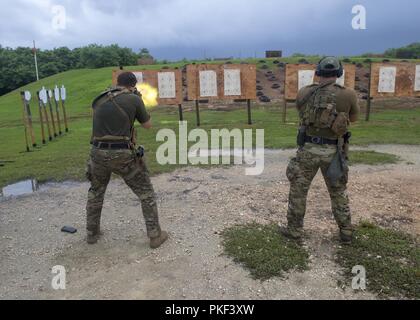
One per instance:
(319, 110)
(110, 95)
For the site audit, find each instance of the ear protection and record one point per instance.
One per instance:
(320, 73)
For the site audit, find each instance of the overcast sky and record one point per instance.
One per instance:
(174, 29)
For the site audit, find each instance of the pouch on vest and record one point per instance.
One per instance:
(341, 124)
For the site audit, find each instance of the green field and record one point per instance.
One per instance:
(65, 157)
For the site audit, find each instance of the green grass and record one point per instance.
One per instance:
(263, 251)
(65, 158)
(372, 158)
(391, 260)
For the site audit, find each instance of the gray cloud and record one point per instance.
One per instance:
(192, 28)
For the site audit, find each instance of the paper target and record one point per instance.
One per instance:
(232, 82)
(208, 83)
(305, 78)
(387, 77)
(166, 85)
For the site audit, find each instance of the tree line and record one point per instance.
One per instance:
(17, 67)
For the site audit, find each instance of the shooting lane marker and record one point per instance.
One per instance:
(44, 100)
(27, 98)
(24, 118)
(57, 108)
(63, 99)
(49, 95)
(41, 120)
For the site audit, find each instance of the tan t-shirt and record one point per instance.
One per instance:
(346, 102)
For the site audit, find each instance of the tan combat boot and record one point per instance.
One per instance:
(156, 242)
(346, 236)
(286, 232)
(93, 236)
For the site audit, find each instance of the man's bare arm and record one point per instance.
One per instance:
(147, 125)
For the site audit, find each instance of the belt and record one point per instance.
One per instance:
(320, 140)
(109, 145)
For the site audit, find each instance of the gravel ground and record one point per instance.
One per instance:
(195, 206)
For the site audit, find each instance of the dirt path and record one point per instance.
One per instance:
(195, 205)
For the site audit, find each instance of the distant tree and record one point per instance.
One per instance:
(412, 51)
(144, 53)
(17, 65)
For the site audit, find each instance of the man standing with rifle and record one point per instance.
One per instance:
(325, 111)
(113, 151)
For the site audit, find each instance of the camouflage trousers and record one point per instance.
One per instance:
(101, 165)
(301, 171)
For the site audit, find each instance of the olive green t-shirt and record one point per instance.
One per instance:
(346, 102)
(109, 124)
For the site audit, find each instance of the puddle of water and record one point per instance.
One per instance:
(20, 188)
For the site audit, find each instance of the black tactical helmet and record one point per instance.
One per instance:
(329, 67)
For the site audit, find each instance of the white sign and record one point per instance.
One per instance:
(27, 96)
(417, 79)
(166, 85)
(306, 78)
(139, 76)
(63, 93)
(56, 93)
(43, 95)
(233, 82)
(341, 81)
(387, 77)
(208, 83)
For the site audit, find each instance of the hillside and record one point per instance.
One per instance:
(65, 157)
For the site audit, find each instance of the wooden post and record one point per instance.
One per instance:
(64, 115)
(197, 111)
(47, 121)
(57, 111)
(285, 110)
(369, 99)
(284, 96)
(249, 111)
(30, 124)
(181, 116)
(51, 113)
(41, 120)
